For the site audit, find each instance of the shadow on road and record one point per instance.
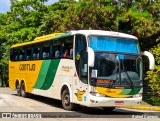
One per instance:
(82, 109)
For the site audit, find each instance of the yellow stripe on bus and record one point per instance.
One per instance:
(111, 92)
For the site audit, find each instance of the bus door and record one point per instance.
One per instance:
(80, 80)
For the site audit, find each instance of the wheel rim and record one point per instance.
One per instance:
(67, 100)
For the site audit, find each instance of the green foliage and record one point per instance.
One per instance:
(18, 25)
(155, 100)
(154, 77)
(52, 19)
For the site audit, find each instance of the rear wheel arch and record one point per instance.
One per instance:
(17, 83)
(23, 81)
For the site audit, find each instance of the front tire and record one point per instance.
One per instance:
(67, 105)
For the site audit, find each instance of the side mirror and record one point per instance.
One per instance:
(90, 57)
(151, 59)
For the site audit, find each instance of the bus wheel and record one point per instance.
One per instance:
(67, 105)
(18, 90)
(108, 109)
(22, 91)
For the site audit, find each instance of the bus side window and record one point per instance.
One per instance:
(12, 54)
(18, 54)
(80, 45)
(51, 49)
(81, 58)
(57, 54)
(83, 67)
(36, 51)
(28, 53)
(56, 48)
(66, 54)
(71, 53)
(34, 55)
(67, 45)
(15, 55)
(45, 50)
(21, 54)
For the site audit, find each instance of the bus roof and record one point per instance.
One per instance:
(83, 32)
(38, 39)
(103, 33)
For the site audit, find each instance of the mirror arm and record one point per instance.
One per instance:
(151, 59)
(91, 57)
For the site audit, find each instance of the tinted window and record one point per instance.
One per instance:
(46, 50)
(67, 48)
(36, 51)
(58, 48)
(80, 44)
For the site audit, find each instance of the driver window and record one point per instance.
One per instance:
(84, 67)
(81, 58)
(80, 46)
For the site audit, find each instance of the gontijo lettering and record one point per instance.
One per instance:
(27, 67)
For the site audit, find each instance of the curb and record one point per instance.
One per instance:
(151, 108)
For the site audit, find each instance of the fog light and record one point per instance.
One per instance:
(137, 95)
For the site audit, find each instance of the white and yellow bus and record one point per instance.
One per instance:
(93, 68)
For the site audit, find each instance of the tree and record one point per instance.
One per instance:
(19, 25)
(89, 15)
(154, 77)
(53, 19)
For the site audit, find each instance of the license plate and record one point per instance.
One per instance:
(119, 102)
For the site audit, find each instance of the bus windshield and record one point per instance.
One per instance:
(112, 70)
(114, 44)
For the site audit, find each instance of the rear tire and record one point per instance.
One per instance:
(67, 105)
(23, 91)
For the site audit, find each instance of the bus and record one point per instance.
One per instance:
(92, 68)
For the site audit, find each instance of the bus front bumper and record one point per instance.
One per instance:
(95, 101)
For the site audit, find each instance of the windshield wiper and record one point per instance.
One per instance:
(130, 80)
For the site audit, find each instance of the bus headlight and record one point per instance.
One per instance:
(137, 95)
(97, 94)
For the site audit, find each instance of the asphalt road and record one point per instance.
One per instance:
(21, 108)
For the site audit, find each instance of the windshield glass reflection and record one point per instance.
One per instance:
(117, 69)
